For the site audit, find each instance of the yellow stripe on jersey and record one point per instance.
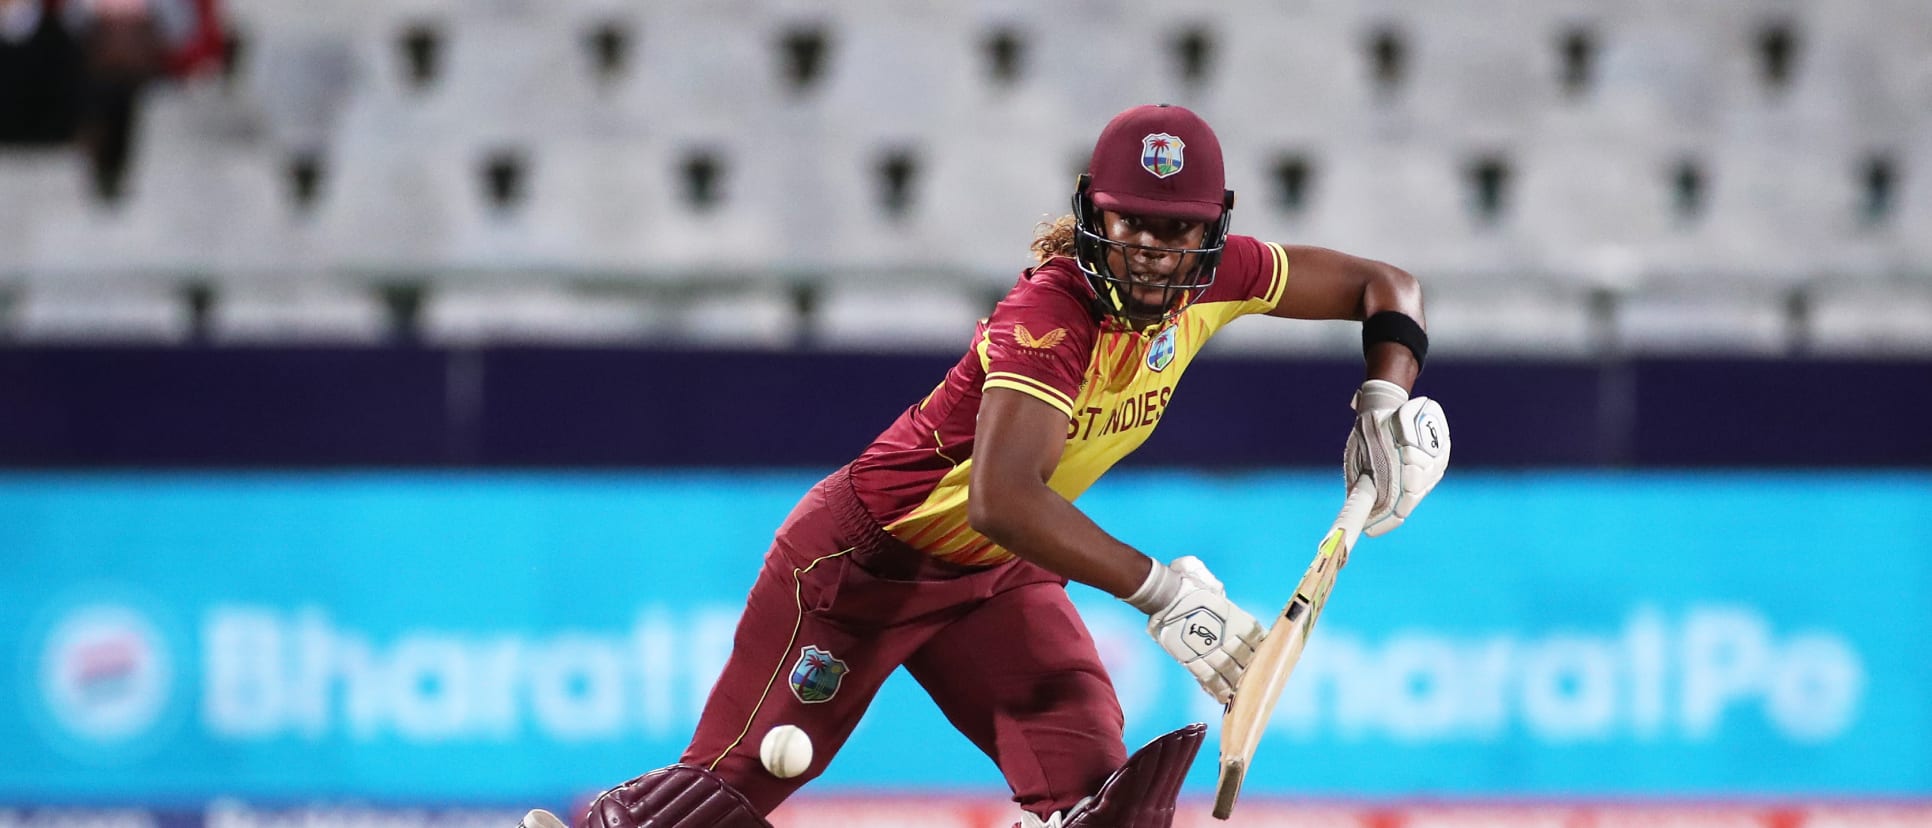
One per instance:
(1280, 283)
(948, 495)
(940, 527)
(1031, 387)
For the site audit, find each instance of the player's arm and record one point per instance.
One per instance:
(1016, 447)
(1400, 443)
(1330, 284)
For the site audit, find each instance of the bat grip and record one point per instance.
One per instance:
(1355, 511)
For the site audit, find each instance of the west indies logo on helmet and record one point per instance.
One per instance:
(1151, 162)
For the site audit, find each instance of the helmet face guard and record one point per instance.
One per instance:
(1113, 297)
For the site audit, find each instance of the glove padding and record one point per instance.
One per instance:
(1190, 616)
(1402, 444)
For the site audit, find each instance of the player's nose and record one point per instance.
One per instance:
(1153, 255)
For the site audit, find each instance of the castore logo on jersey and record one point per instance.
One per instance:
(1043, 342)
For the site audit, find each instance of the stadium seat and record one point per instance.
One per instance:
(759, 317)
(1595, 211)
(1523, 318)
(857, 316)
(213, 194)
(517, 73)
(705, 68)
(1292, 74)
(980, 205)
(1263, 336)
(1068, 92)
(55, 183)
(593, 205)
(1413, 206)
(1859, 74)
(297, 68)
(1911, 249)
(891, 68)
(392, 205)
(1666, 73)
(195, 181)
(528, 312)
(1871, 318)
(1734, 318)
(102, 312)
(310, 311)
(1778, 214)
(1470, 80)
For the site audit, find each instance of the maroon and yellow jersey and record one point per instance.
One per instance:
(1044, 340)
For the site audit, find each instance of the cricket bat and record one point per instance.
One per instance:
(1267, 674)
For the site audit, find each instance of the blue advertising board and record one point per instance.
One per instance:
(491, 637)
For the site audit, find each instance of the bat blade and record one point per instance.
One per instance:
(1234, 769)
(1267, 674)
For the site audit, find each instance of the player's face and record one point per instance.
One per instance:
(1152, 262)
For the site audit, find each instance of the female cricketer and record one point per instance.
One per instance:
(947, 545)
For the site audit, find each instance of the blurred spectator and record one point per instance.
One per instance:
(74, 69)
(41, 74)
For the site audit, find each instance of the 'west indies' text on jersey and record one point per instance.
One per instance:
(1042, 340)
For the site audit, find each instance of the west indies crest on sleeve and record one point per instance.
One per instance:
(1043, 340)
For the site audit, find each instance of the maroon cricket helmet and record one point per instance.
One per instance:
(1159, 160)
(1155, 161)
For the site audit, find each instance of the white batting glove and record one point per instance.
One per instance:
(1190, 616)
(1401, 444)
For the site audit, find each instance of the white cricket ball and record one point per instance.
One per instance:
(786, 751)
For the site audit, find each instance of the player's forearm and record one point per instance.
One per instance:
(1393, 362)
(1395, 290)
(1037, 524)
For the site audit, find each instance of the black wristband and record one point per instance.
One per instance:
(1393, 326)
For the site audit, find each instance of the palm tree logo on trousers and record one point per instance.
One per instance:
(816, 676)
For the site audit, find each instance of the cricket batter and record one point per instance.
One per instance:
(946, 546)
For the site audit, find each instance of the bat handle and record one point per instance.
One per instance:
(1355, 511)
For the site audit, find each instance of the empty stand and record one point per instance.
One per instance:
(1643, 176)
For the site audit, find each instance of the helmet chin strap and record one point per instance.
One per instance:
(1111, 296)
(1149, 324)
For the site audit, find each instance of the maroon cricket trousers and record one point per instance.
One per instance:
(840, 604)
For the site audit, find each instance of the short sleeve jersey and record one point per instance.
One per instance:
(1044, 340)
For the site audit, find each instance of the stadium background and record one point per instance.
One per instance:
(392, 430)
